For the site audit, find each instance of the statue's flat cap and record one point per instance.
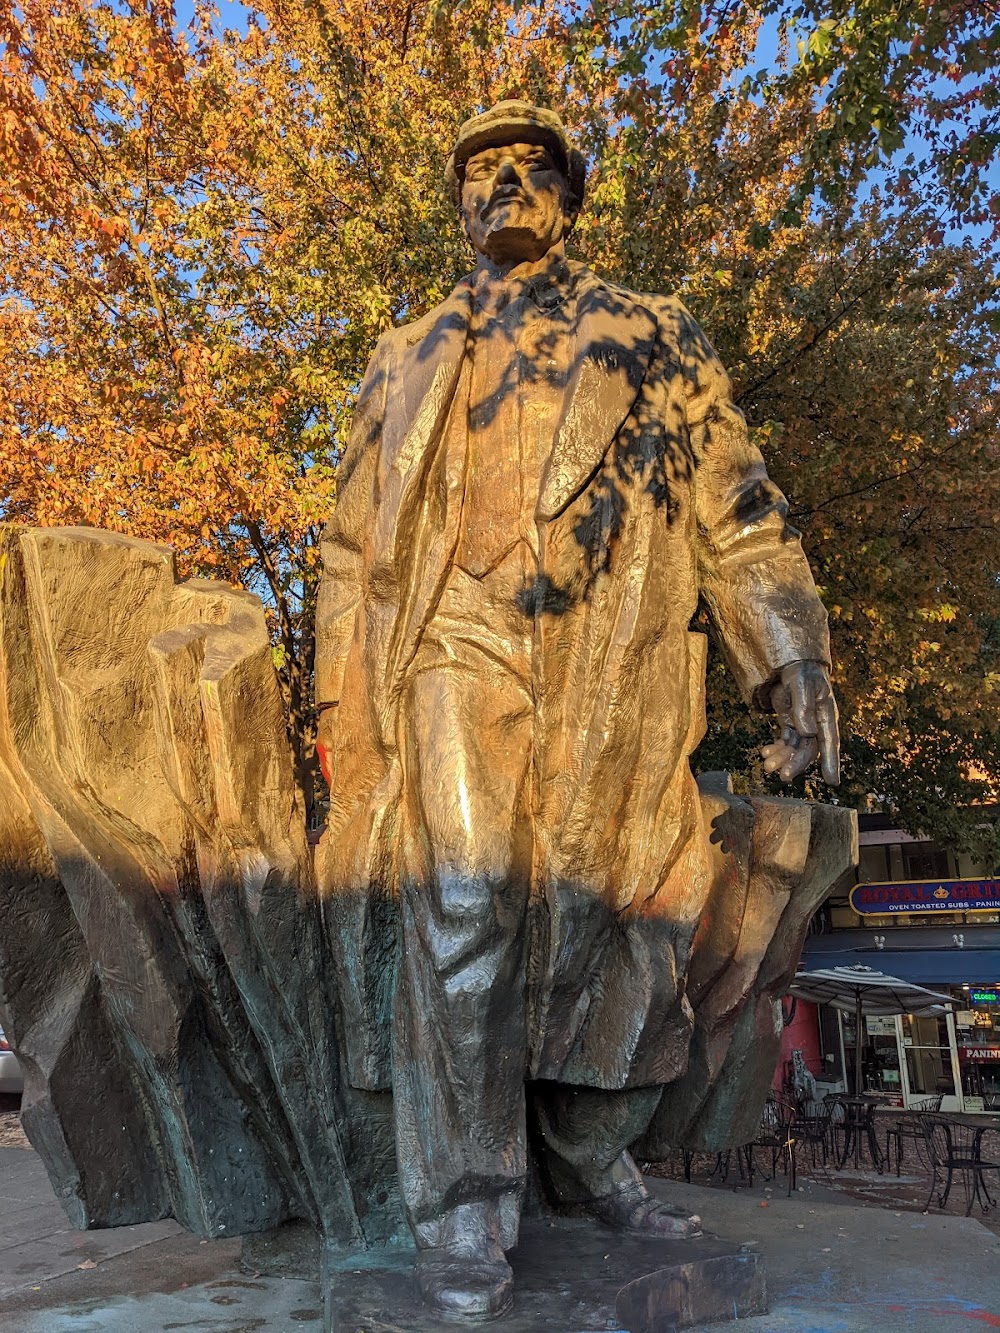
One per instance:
(516, 122)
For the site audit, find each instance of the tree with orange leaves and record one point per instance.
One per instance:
(205, 228)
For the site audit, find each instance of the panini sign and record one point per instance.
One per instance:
(979, 1053)
(938, 895)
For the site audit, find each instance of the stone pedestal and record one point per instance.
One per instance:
(165, 949)
(571, 1276)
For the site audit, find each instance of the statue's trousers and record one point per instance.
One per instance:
(460, 1023)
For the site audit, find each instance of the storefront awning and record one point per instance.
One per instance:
(927, 967)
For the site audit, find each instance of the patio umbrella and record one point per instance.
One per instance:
(862, 990)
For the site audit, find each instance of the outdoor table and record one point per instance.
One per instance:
(988, 1119)
(858, 1125)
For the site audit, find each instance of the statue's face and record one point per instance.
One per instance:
(514, 202)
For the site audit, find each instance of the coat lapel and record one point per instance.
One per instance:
(421, 390)
(423, 473)
(434, 349)
(614, 340)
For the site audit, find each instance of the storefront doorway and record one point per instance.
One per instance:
(906, 1058)
(931, 1059)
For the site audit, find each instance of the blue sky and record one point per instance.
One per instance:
(231, 13)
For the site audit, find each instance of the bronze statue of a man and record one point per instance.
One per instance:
(544, 476)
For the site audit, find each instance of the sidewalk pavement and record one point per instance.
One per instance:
(832, 1267)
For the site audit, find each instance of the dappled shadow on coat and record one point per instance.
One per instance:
(606, 357)
(616, 373)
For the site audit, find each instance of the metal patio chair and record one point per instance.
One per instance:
(721, 1167)
(955, 1146)
(813, 1126)
(776, 1136)
(909, 1128)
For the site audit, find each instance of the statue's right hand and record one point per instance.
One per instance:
(806, 715)
(324, 739)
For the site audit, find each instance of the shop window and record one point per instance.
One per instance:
(978, 1022)
(924, 861)
(873, 865)
(843, 917)
(821, 920)
(829, 1039)
(879, 1055)
(928, 1055)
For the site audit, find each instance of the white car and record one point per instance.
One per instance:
(11, 1079)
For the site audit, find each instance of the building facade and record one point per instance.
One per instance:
(926, 914)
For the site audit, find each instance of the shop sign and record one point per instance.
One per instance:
(973, 1018)
(979, 1052)
(881, 1027)
(983, 995)
(935, 895)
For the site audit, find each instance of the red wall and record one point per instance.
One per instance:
(802, 1034)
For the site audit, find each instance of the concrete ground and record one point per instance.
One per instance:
(833, 1265)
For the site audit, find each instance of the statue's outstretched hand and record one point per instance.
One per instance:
(806, 714)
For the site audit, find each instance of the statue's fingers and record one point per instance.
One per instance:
(829, 741)
(800, 760)
(777, 753)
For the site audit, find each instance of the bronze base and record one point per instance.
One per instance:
(570, 1276)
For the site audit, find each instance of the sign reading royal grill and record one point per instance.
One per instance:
(937, 895)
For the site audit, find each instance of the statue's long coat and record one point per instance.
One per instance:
(652, 496)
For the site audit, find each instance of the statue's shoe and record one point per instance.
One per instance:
(464, 1288)
(633, 1209)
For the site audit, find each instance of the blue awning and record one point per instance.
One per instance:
(927, 967)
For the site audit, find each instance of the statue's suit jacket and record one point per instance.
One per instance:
(652, 497)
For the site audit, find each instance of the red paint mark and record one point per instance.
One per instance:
(977, 1316)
